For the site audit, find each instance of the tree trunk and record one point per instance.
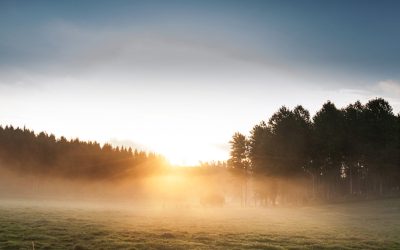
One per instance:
(351, 181)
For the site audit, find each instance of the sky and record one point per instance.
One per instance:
(180, 77)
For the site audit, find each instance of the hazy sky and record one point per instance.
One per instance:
(180, 77)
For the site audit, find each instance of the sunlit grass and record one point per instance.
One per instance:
(366, 225)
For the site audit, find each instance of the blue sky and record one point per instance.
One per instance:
(180, 77)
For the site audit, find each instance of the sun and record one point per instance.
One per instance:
(188, 151)
(184, 153)
(181, 142)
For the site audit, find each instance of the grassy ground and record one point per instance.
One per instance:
(364, 225)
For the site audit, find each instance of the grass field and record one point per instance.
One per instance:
(363, 225)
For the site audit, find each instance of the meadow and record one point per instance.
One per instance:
(359, 225)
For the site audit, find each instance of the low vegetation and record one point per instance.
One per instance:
(363, 225)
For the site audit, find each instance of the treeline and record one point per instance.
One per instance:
(23, 151)
(337, 154)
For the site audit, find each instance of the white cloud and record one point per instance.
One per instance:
(390, 87)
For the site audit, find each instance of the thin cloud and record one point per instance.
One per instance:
(390, 87)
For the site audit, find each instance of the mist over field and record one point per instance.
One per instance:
(326, 182)
(183, 124)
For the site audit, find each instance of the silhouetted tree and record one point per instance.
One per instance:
(239, 162)
(24, 151)
(380, 142)
(351, 151)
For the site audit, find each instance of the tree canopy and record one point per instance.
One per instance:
(353, 151)
(24, 151)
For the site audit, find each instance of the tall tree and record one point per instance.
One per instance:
(239, 161)
(239, 152)
(354, 155)
(329, 140)
(290, 138)
(260, 137)
(380, 135)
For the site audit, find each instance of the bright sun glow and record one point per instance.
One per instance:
(183, 153)
(184, 149)
(183, 156)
